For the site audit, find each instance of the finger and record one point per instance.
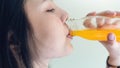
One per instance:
(100, 22)
(117, 13)
(111, 39)
(107, 13)
(88, 24)
(115, 25)
(117, 22)
(91, 14)
(107, 26)
(107, 21)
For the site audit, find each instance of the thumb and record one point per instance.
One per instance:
(111, 38)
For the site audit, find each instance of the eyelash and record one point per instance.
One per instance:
(50, 10)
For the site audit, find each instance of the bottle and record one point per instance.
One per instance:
(89, 27)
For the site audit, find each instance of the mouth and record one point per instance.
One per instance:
(69, 35)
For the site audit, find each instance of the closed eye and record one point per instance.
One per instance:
(50, 10)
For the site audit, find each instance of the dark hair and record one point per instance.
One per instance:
(14, 28)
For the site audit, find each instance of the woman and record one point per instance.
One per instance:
(32, 32)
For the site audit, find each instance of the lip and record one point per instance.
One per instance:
(68, 32)
(69, 35)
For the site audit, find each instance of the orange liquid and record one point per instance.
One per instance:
(96, 34)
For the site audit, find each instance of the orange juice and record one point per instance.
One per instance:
(96, 34)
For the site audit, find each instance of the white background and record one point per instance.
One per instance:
(86, 54)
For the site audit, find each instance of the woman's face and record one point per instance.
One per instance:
(50, 30)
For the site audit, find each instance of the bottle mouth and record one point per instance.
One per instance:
(88, 17)
(80, 23)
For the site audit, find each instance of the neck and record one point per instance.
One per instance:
(40, 63)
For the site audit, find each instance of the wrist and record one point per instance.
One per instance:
(113, 62)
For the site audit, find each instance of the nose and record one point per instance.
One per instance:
(64, 16)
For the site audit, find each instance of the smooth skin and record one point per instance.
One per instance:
(51, 34)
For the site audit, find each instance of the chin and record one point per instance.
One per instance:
(68, 47)
(67, 51)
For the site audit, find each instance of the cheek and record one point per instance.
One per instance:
(51, 38)
(50, 33)
(53, 34)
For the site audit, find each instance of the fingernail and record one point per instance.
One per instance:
(111, 37)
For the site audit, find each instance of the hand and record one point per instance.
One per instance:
(112, 46)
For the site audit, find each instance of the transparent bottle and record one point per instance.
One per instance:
(89, 27)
